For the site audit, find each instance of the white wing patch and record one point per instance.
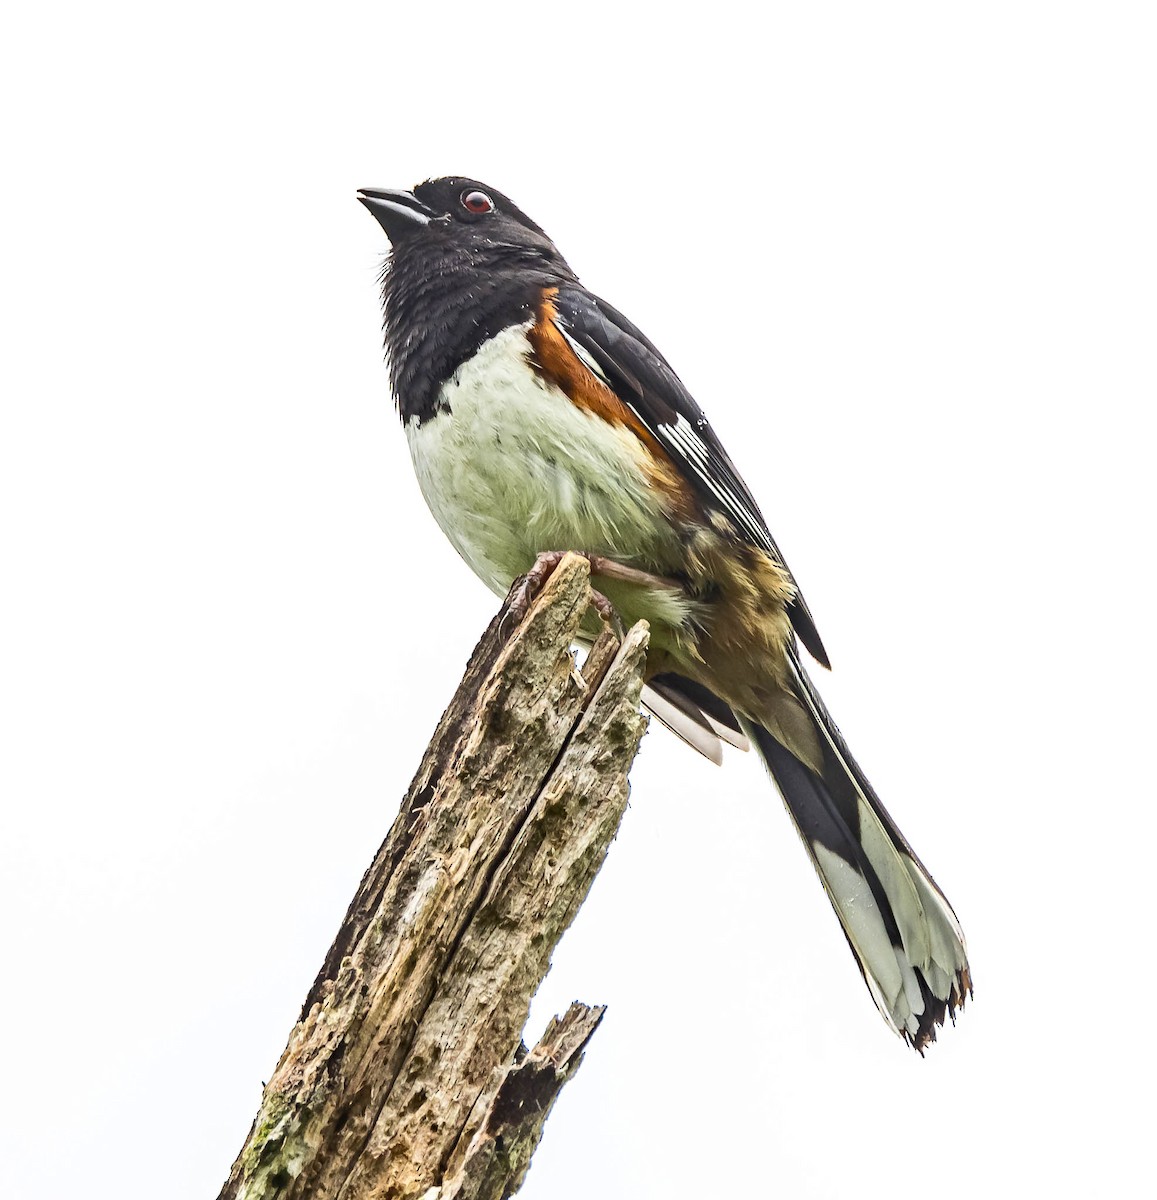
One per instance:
(582, 354)
(686, 441)
(685, 438)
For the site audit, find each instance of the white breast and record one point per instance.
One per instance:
(514, 468)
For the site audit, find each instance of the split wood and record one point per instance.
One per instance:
(405, 1076)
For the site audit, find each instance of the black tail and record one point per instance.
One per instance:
(900, 927)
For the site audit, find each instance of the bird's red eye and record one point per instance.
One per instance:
(477, 202)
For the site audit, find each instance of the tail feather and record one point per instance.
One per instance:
(902, 931)
(694, 714)
(694, 729)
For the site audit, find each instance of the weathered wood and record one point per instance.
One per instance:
(493, 1165)
(405, 1075)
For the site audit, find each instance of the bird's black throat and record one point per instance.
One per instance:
(442, 301)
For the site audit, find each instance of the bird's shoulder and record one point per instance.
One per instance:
(608, 365)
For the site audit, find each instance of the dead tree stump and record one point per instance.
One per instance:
(405, 1075)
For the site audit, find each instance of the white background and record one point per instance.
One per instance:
(904, 254)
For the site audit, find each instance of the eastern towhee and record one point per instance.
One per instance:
(540, 419)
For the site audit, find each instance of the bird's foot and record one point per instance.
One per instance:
(533, 581)
(527, 587)
(606, 611)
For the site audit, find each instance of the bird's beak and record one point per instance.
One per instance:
(399, 213)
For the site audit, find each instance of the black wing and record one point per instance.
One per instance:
(641, 377)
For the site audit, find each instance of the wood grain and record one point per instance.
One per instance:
(405, 1075)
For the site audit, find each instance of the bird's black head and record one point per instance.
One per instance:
(466, 263)
(463, 215)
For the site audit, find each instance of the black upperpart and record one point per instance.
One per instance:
(466, 263)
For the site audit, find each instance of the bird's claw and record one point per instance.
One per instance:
(529, 586)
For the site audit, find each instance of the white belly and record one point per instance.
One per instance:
(514, 469)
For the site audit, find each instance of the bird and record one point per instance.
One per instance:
(540, 420)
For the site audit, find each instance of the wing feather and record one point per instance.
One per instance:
(624, 360)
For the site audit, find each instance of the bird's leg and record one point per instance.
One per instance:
(532, 583)
(534, 579)
(609, 569)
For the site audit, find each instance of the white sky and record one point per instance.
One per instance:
(230, 625)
